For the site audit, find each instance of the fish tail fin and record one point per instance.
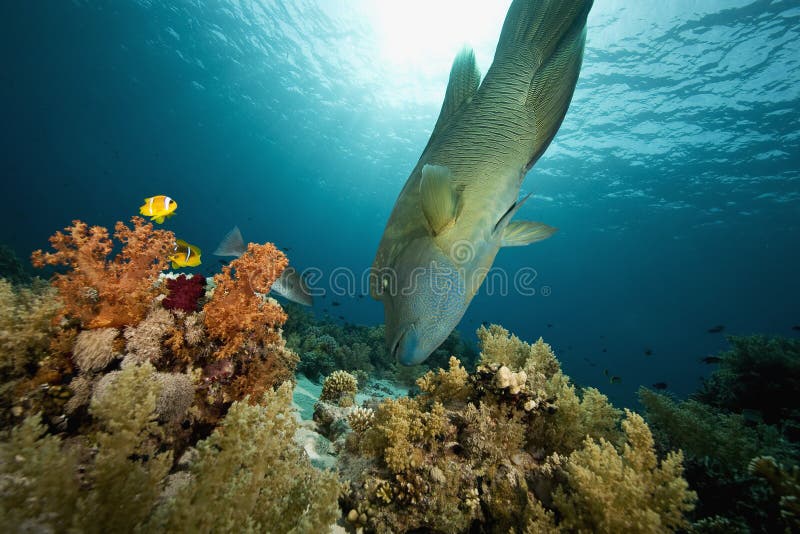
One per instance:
(232, 244)
(546, 38)
(540, 26)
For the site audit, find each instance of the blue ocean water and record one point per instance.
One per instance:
(674, 180)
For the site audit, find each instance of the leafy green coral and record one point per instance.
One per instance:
(248, 475)
(627, 491)
(707, 434)
(719, 447)
(26, 314)
(758, 374)
(124, 476)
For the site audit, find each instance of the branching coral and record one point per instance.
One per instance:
(360, 419)
(100, 291)
(628, 492)
(339, 388)
(237, 313)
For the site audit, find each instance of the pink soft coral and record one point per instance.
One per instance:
(236, 314)
(102, 292)
(185, 293)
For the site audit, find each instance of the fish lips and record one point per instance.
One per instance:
(406, 347)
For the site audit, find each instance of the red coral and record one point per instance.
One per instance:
(185, 293)
(103, 292)
(236, 314)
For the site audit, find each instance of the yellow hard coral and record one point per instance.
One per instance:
(339, 388)
(498, 345)
(447, 386)
(609, 491)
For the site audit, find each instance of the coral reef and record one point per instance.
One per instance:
(247, 473)
(185, 293)
(101, 292)
(339, 388)
(237, 314)
(511, 447)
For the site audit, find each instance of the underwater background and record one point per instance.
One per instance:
(134, 399)
(673, 179)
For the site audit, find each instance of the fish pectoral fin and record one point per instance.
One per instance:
(504, 221)
(521, 233)
(438, 197)
(159, 219)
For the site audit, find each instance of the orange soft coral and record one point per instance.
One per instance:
(236, 314)
(102, 292)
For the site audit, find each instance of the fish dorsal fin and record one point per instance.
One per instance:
(438, 197)
(464, 81)
(520, 233)
(232, 244)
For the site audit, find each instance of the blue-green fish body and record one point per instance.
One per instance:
(454, 213)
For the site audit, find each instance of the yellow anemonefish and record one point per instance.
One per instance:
(185, 255)
(158, 208)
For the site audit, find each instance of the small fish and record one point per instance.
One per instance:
(660, 385)
(549, 325)
(614, 380)
(648, 352)
(716, 329)
(336, 303)
(341, 317)
(185, 255)
(605, 372)
(796, 328)
(290, 284)
(285, 249)
(158, 208)
(711, 359)
(605, 350)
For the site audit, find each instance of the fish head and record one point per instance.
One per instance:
(424, 296)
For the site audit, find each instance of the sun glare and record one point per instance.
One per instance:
(424, 35)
